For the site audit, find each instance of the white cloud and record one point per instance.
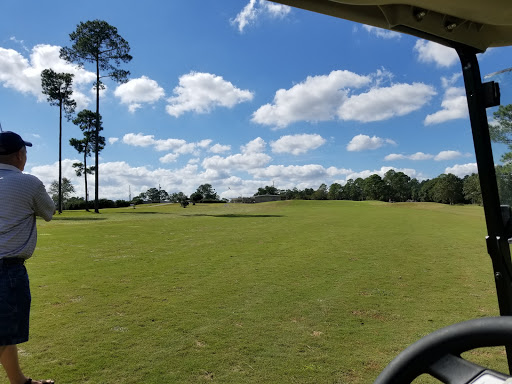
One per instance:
(315, 99)
(218, 148)
(412, 173)
(297, 144)
(454, 106)
(299, 173)
(132, 108)
(416, 156)
(48, 173)
(448, 82)
(364, 143)
(257, 145)
(20, 42)
(47, 56)
(240, 161)
(169, 158)
(275, 10)
(139, 140)
(169, 144)
(188, 148)
(323, 98)
(82, 100)
(16, 73)
(441, 156)
(430, 52)
(447, 155)
(113, 140)
(248, 15)
(257, 8)
(204, 143)
(23, 75)
(117, 177)
(420, 156)
(382, 76)
(176, 146)
(395, 156)
(201, 92)
(137, 91)
(384, 33)
(252, 156)
(384, 103)
(461, 170)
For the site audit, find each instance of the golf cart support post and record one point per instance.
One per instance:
(470, 27)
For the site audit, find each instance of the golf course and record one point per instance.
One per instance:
(279, 292)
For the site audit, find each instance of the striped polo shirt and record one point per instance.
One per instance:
(22, 198)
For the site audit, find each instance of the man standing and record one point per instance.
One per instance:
(22, 198)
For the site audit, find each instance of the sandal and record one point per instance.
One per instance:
(29, 381)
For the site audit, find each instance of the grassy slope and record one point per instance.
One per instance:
(286, 292)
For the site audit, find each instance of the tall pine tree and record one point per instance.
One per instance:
(58, 89)
(98, 43)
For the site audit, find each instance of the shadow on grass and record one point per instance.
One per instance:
(231, 215)
(79, 218)
(146, 213)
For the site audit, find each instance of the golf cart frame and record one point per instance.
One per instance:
(470, 27)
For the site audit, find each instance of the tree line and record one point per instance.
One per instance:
(398, 187)
(64, 190)
(205, 193)
(393, 187)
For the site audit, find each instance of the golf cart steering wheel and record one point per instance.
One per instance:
(438, 354)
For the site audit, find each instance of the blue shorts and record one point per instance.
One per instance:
(14, 304)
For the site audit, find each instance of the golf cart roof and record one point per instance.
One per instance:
(475, 23)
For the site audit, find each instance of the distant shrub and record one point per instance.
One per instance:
(105, 203)
(76, 203)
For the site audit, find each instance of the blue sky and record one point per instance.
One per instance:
(241, 94)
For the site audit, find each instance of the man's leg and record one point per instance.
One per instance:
(9, 359)
(15, 291)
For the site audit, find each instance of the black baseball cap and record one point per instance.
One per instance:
(11, 142)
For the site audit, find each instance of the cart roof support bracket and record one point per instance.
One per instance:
(498, 218)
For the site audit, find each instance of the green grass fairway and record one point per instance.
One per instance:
(283, 292)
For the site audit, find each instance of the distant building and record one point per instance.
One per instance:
(266, 198)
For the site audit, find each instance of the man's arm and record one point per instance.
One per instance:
(43, 204)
